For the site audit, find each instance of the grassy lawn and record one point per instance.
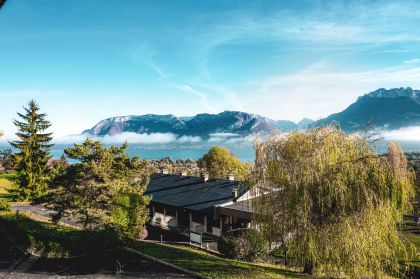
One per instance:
(210, 265)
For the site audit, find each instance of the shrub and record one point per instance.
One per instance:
(5, 205)
(242, 244)
(129, 214)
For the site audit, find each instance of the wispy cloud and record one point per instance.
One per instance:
(319, 90)
(403, 134)
(203, 98)
(146, 54)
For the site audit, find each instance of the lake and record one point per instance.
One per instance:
(243, 152)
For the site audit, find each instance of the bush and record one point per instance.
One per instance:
(5, 205)
(242, 244)
(128, 215)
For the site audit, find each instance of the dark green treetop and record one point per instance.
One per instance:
(32, 155)
(103, 189)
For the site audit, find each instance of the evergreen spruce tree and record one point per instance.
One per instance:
(32, 155)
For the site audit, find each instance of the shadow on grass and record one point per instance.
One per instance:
(211, 265)
(46, 239)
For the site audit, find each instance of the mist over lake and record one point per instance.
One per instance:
(244, 152)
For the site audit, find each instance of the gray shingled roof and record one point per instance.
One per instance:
(192, 192)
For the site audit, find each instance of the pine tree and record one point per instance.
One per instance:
(104, 188)
(32, 154)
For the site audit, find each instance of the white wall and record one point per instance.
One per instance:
(193, 225)
(161, 219)
(216, 231)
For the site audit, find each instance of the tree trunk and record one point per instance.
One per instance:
(285, 256)
(86, 221)
(308, 268)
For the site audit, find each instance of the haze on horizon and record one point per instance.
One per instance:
(84, 61)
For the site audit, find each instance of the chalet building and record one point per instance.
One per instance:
(198, 204)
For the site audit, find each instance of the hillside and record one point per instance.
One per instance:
(389, 109)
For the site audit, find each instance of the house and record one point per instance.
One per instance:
(198, 204)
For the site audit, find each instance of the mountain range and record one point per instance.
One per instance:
(202, 125)
(385, 109)
(389, 109)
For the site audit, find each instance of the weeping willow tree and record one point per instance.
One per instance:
(332, 204)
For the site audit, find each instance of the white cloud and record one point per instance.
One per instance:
(189, 139)
(404, 134)
(224, 135)
(157, 138)
(230, 138)
(153, 138)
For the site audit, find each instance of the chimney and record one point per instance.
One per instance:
(235, 193)
(231, 177)
(205, 176)
(165, 171)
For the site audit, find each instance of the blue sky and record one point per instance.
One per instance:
(84, 61)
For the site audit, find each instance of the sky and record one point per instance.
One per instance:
(84, 61)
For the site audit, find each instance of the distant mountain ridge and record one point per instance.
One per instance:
(389, 109)
(203, 125)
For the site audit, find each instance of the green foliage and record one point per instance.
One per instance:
(31, 158)
(4, 205)
(332, 203)
(104, 189)
(220, 163)
(52, 240)
(129, 214)
(242, 244)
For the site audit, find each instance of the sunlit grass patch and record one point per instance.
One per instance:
(213, 266)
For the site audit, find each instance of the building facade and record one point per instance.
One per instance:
(197, 204)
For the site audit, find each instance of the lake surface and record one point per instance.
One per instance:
(243, 152)
(147, 151)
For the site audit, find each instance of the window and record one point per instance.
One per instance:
(197, 218)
